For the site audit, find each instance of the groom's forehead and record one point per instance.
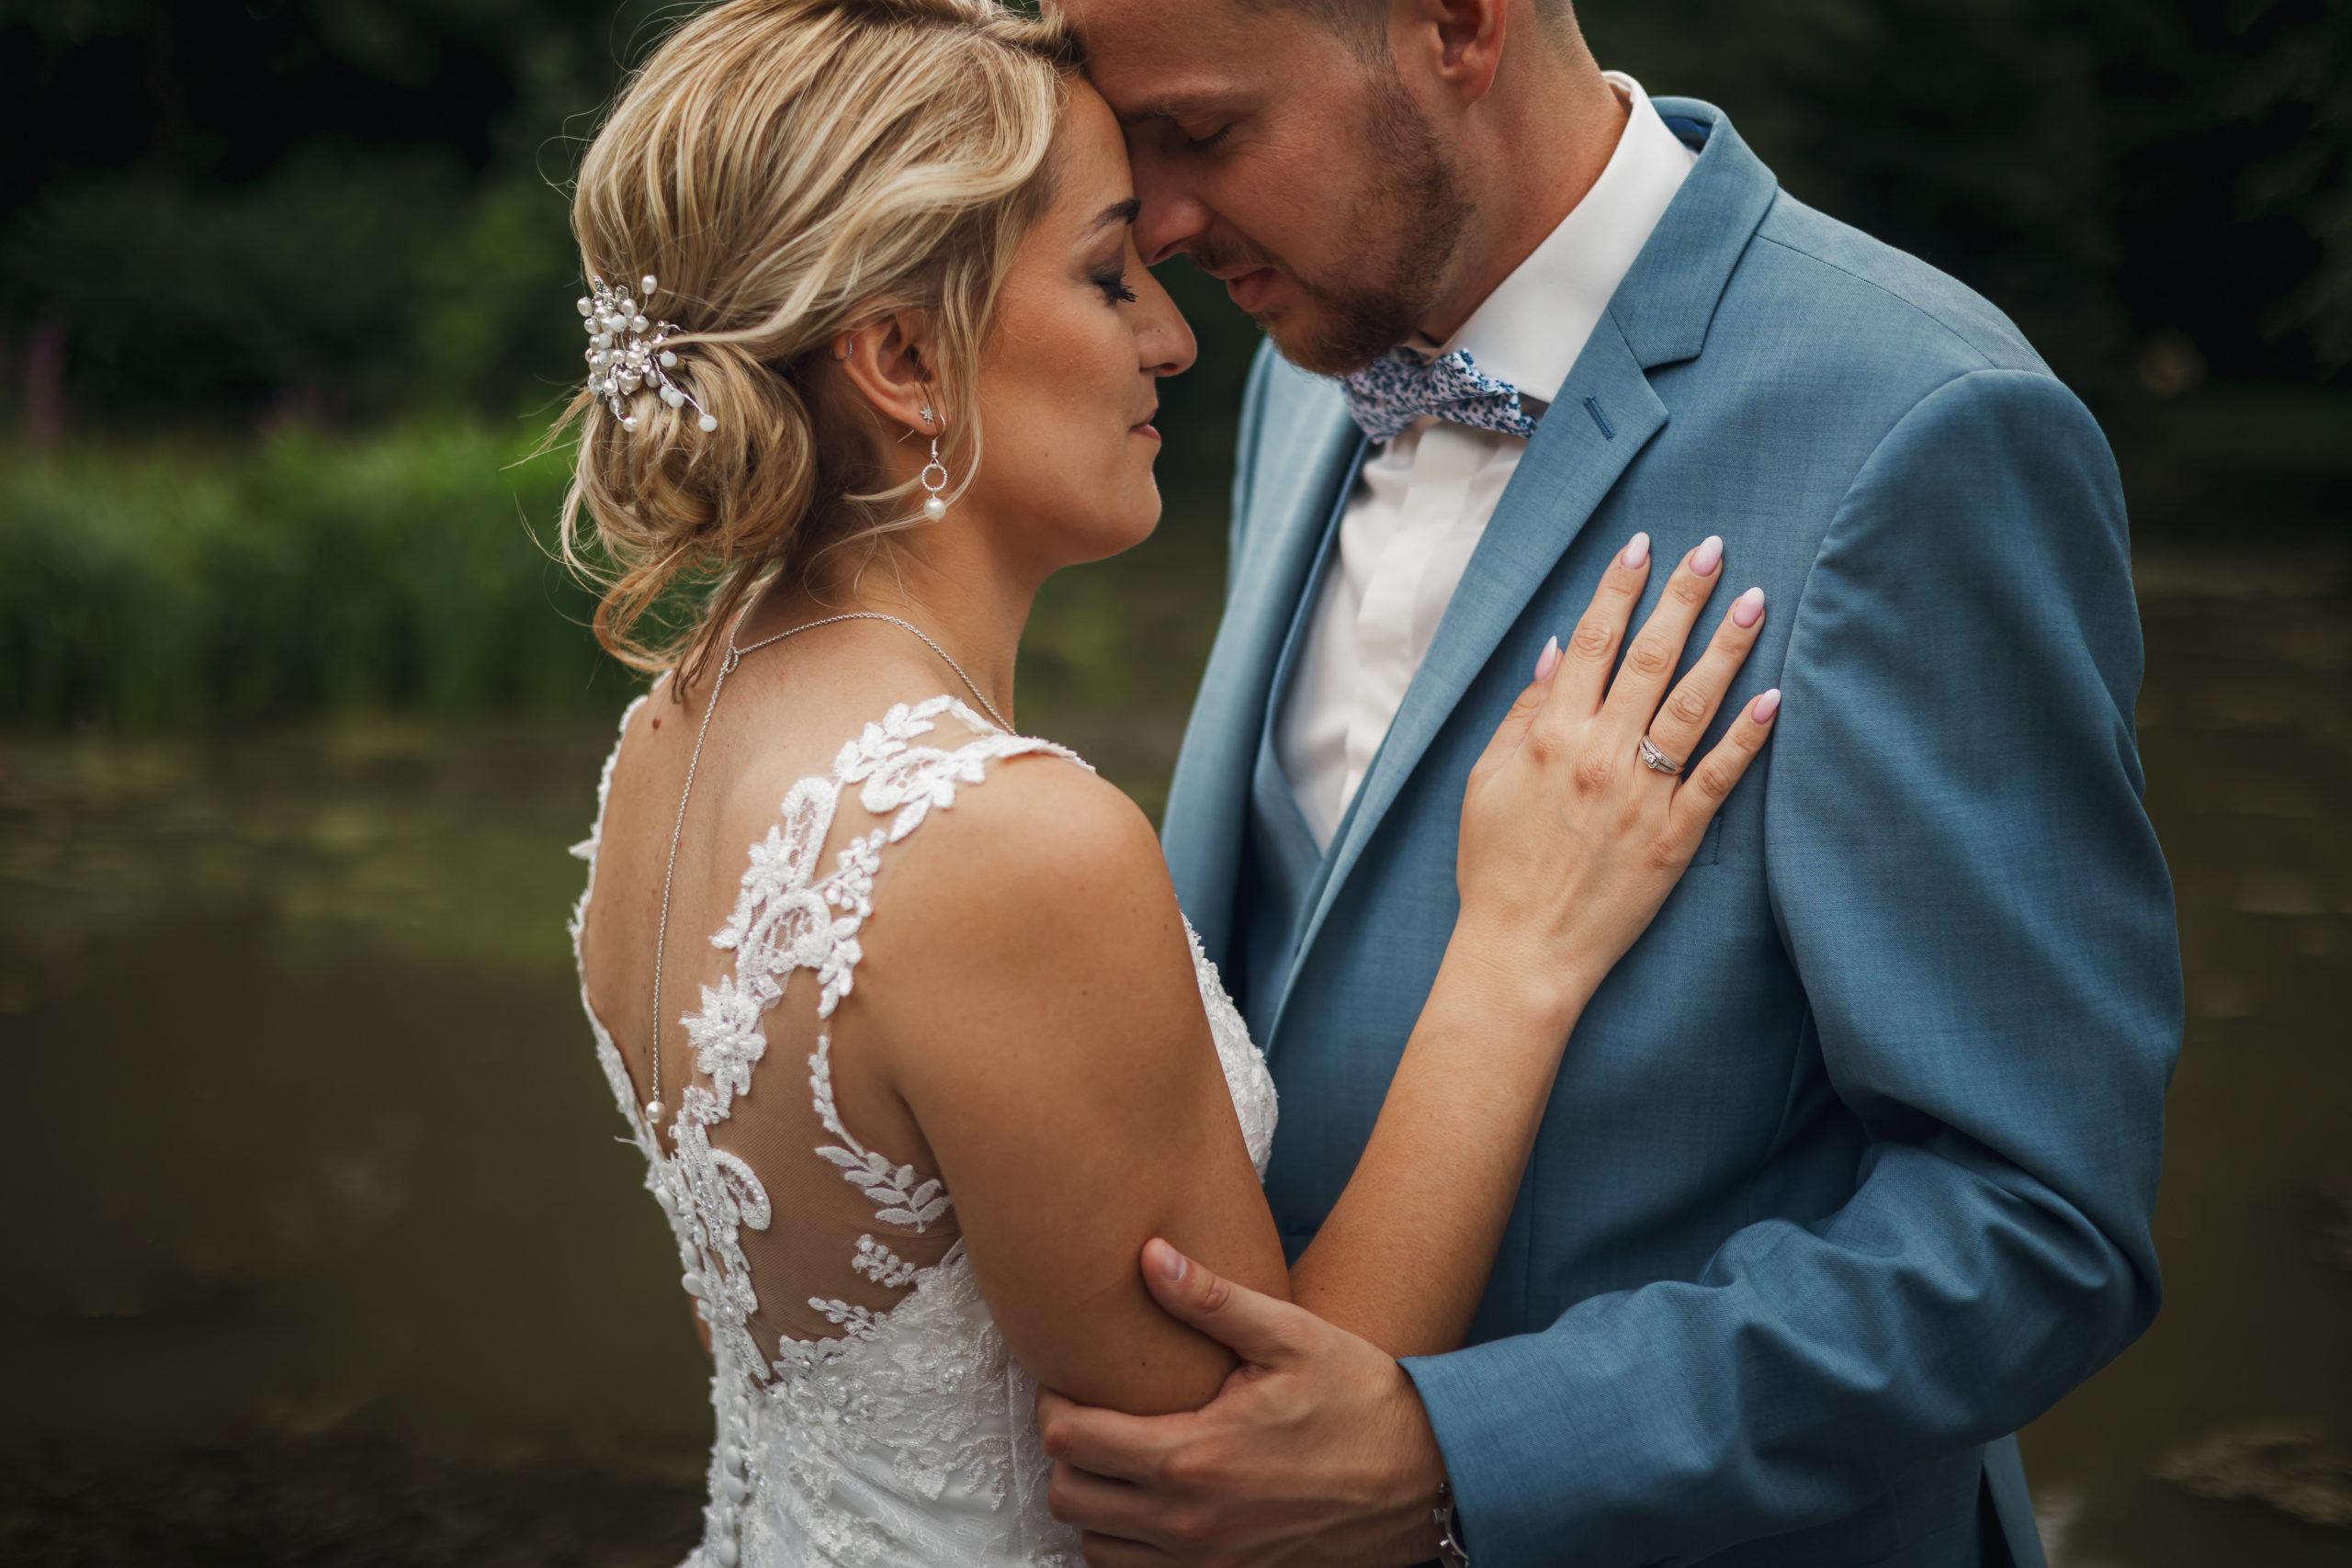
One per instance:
(1171, 57)
(1180, 33)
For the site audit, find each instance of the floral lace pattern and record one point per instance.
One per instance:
(909, 1438)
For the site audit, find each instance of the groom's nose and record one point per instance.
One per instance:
(1169, 218)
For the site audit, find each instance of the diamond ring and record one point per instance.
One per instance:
(1657, 761)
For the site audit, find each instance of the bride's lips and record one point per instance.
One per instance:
(1251, 289)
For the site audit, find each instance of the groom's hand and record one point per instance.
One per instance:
(1315, 1450)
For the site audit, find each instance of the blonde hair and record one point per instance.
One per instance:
(789, 170)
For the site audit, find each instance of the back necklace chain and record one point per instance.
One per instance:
(655, 1109)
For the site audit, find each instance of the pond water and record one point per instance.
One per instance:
(323, 1233)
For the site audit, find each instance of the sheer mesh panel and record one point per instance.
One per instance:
(792, 1227)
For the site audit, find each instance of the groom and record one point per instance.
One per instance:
(1848, 1170)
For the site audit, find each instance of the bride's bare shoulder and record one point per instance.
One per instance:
(1041, 884)
(1042, 842)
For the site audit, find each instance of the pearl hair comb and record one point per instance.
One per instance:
(625, 351)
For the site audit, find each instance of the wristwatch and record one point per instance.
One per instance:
(1449, 1550)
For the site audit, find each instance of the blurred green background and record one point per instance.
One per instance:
(323, 1252)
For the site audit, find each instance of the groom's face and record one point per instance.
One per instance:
(1286, 163)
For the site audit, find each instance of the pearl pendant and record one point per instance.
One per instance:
(935, 508)
(654, 1111)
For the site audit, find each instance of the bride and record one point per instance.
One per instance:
(897, 1004)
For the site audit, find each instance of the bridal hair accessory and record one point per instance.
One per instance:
(627, 351)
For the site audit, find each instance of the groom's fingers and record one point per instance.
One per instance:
(1105, 1510)
(1110, 1446)
(1257, 1329)
(1109, 1552)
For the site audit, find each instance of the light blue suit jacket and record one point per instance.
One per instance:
(1848, 1170)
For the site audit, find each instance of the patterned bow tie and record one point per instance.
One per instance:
(1400, 386)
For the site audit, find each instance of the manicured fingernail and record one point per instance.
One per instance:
(1765, 707)
(1748, 608)
(1708, 555)
(1548, 660)
(1637, 550)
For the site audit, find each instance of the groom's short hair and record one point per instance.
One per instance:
(1363, 23)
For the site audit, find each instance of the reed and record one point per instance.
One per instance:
(169, 584)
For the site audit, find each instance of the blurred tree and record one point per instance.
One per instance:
(348, 208)
(2119, 175)
(2300, 74)
(343, 208)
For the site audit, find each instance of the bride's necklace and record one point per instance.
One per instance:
(654, 1110)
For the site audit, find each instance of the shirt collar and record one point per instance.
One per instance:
(1529, 330)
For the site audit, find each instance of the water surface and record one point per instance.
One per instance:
(321, 1211)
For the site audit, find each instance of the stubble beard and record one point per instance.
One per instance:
(1414, 219)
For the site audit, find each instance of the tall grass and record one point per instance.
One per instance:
(158, 584)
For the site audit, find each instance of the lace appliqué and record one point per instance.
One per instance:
(788, 918)
(881, 1264)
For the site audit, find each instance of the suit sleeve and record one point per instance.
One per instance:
(1969, 889)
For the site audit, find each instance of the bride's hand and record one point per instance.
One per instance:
(1569, 842)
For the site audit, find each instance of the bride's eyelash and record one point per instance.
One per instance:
(1115, 287)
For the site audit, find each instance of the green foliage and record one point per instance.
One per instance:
(372, 221)
(343, 286)
(347, 208)
(2104, 170)
(163, 584)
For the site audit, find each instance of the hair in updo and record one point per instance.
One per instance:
(789, 170)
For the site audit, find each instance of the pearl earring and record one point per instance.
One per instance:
(936, 507)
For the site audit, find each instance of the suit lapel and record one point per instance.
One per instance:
(1660, 316)
(1316, 449)
(1606, 414)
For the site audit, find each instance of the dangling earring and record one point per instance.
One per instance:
(936, 507)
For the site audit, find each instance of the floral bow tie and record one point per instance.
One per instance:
(1400, 386)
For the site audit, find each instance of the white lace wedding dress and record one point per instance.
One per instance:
(867, 1411)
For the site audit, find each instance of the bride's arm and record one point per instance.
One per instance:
(1033, 993)
(1028, 984)
(1569, 847)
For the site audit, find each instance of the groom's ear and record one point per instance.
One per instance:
(888, 361)
(1458, 42)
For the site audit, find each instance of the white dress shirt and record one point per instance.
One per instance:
(1423, 499)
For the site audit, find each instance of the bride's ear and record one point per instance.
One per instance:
(888, 360)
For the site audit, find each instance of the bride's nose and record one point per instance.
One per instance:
(1163, 338)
